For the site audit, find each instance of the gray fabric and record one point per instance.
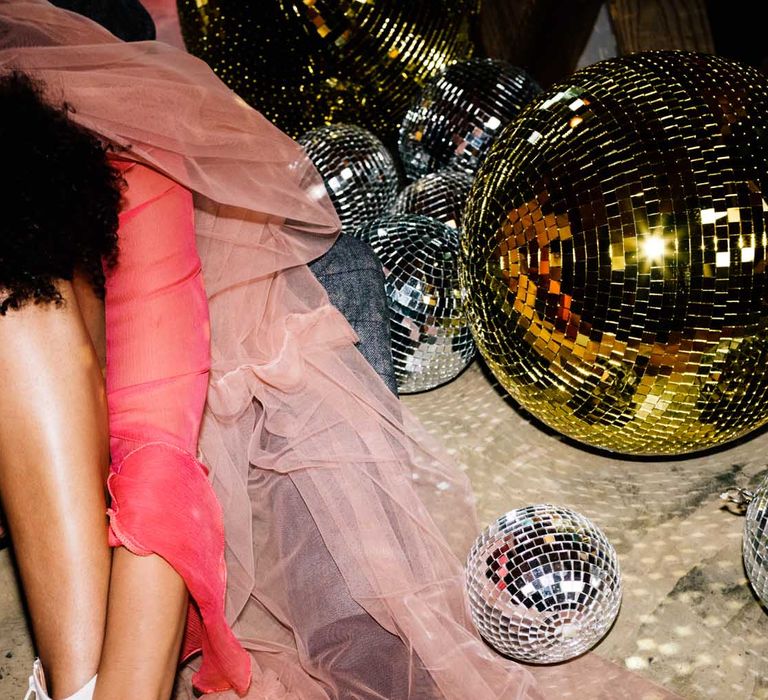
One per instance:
(351, 274)
(362, 660)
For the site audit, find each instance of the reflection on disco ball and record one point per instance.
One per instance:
(544, 584)
(440, 196)
(304, 63)
(756, 542)
(460, 113)
(431, 342)
(357, 169)
(614, 254)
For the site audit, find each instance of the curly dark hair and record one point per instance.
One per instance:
(59, 198)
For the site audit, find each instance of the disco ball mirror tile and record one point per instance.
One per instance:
(304, 63)
(544, 584)
(459, 113)
(755, 548)
(431, 342)
(440, 196)
(357, 169)
(614, 254)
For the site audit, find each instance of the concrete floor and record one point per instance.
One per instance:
(689, 619)
(15, 644)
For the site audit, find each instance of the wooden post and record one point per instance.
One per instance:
(546, 37)
(646, 25)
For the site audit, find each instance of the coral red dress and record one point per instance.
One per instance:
(158, 357)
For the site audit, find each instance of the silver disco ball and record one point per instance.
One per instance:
(544, 584)
(440, 196)
(357, 169)
(756, 542)
(459, 114)
(431, 342)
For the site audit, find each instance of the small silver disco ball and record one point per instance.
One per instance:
(459, 114)
(357, 169)
(431, 342)
(544, 584)
(441, 195)
(755, 548)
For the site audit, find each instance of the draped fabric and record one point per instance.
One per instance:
(344, 521)
(158, 336)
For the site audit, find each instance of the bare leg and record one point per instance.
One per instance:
(53, 459)
(147, 598)
(147, 605)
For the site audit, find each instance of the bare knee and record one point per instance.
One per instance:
(54, 453)
(47, 338)
(53, 399)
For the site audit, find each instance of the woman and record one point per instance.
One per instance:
(62, 218)
(341, 517)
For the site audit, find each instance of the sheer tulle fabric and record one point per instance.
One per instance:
(343, 519)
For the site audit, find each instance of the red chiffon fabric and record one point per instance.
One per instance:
(345, 524)
(158, 357)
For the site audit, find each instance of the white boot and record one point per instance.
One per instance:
(38, 688)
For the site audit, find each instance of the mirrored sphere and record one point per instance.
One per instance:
(544, 584)
(441, 195)
(614, 254)
(459, 114)
(357, 169)
(305, 63)
(431, 342)
(755, 548)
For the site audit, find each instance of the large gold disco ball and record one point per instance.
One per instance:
(305, 63)
(614, 255)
